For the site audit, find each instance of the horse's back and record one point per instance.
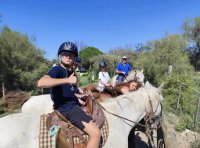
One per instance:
(41, 104)
(19, 130)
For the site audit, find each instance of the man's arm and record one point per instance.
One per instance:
(119, 72)
(46, 81)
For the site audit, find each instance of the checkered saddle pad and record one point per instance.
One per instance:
(46, 141)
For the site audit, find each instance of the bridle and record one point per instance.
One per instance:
(135, 76)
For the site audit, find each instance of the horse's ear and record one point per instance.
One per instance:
(142, 71)
(147, 84)
(161, 87)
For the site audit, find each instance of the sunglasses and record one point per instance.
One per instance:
(66, 54)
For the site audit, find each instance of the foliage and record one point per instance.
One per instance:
(174, 90)
(111, 61)
(120, 52)
(185, 122)
(191, 30)
(88, 53)
(155, 60)
(22, 62)
(184, 88)
(127, 51)
(166, 51)
(85, 81)
(142, 48)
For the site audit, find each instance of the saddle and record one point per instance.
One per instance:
(67, 131)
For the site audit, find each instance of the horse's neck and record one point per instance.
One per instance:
(130, 105)
(134, 102)
(131, 75)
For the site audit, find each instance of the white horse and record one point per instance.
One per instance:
(22, 130)
(38, 105)
(19, 131)
(133, 75)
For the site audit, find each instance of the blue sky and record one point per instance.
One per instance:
(104, 24)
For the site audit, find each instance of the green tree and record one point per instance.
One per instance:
(170, 50)
(155, 59)
(87, 53)
(191, 30)
(22, 62)
(111, 61)
(120, 52)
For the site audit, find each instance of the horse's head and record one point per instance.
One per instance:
(156, 98)
(136, 75)
(160, 91)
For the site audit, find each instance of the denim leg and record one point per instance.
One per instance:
(120, 79)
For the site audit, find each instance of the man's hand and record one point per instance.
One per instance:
(82, 98)
(108, 85)
(72, 79)
(122, 72)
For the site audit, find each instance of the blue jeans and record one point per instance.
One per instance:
(120, 78)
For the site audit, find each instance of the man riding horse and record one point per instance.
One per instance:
(123, 69)
(65, 94)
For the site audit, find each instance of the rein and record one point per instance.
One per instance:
(135, 76)
(120, 116)
(125, 78)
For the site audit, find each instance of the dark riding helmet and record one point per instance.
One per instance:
(68, 46)
(102, 64)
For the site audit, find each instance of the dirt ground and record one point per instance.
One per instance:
(172, 138)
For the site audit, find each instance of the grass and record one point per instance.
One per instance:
(84, 80)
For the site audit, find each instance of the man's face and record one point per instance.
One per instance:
(124, 60)
(67, 57)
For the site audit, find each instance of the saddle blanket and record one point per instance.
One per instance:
(46, 141)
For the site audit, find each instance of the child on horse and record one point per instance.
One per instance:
(65, 94)
(103, 77)
(132, 85)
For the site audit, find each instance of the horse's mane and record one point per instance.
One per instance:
(116, 90)
(118, 86)
(111, 91)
